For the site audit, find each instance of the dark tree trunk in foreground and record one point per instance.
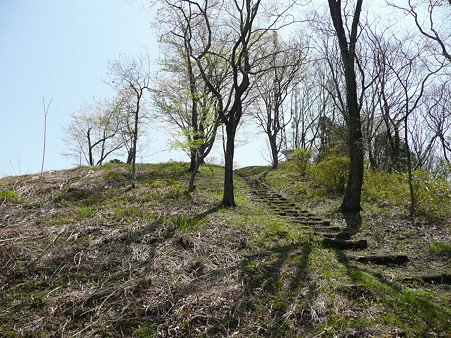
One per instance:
(352, 197)
(274, 151)
(228, 199)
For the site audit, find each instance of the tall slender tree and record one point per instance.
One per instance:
(46, 112)
(347, 43)
(182, 97)
(131, 77)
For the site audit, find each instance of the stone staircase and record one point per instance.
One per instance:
(302, 218)
(335, 237)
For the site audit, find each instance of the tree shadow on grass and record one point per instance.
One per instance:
(271, 289)
(208, 212)
(272, 281)
(409, 311)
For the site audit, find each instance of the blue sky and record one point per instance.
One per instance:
(60, 49)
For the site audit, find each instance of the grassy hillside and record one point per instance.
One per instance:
(83, 254)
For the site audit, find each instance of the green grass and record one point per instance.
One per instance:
(86, 212)
(145, 332)
(112, 176)
(127, 213)
(9, 195)
(186, 223)
(440, 250)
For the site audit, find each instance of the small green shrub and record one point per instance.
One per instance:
(111, 165)
(331, 173)
(186, 223)
(182, 223)
(175, 191)
(433, 195)
(9, 195)
(301, 159)
(383, 187)
(28, 206)
(116, 161)
(91, 198)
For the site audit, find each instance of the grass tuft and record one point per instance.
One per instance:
(9, 195)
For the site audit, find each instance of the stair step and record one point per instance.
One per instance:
(444, 278)
(281, 203)
(286, 205)
(383, 259)
(345, 235)
(316, 218)
(345, 243)
(334, 229)
(307, 221)
(326, 235)
(292, 212)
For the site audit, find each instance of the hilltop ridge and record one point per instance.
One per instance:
(83, 254)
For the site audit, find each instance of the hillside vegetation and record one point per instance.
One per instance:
(82, 254)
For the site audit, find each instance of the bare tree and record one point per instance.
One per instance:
(437, 102)
(435, 24)
(387, 150)
(352, 197)
(46, 112)
(236, 55)
(412, 74)
(173, 102)
(183, 98)
(331, 106)
(278, 79)
(131, 77)
(307, 105)
(92, 133)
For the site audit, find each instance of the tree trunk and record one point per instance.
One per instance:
(274, 151)
(412, 207)
(228, 199)
(130, 157)
(396, 155)
(135, 142)
(90, 155)
(194, 172)
(352, 197)
(192, 166)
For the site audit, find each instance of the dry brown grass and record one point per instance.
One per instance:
(83, 255)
